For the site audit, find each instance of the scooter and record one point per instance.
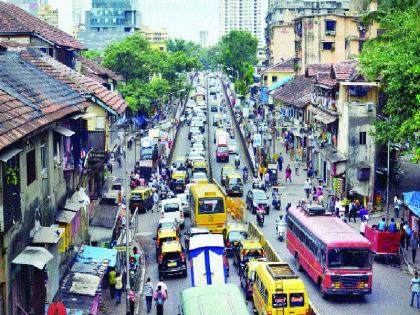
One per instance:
(260, 217)
(281, 228)
(257, 184)
(245, 176)
(276, 201)
(237, 163)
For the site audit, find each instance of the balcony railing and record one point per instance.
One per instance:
(324, 102)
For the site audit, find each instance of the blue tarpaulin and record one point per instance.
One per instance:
(264, 95)
(280, 83)
(98, 254)
(412, 200)
(140, 120)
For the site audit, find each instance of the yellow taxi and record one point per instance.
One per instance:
(178, 181)
(232, 235)
(172, 260)
(180, 163)
(141, 198)
(246, 250)
(199, 166)
(164, 235)
(234, 185)
(226, 170)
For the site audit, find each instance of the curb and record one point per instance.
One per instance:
(142, 276)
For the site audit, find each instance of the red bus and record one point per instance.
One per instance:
(334, 255)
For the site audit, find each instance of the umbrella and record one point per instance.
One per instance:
(56, 308)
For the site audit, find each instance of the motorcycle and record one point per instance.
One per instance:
(257, 184)
(245, 176)
(237, 163)
(260, 217)
(276, 201)
(281, 228)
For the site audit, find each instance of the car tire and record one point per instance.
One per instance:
(184, 274)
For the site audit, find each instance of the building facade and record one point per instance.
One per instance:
(204, 37)
(241, 15)
(279, 31)
(109, 21)
(157, 37)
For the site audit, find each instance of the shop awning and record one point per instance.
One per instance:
(84, 284)
(325, 118)
(280, 83)
(48, 235)
(412, 200)
(66, 216)
(335, 157)
(63, 131)
(72, 206)
(33, 256)
(7, 155)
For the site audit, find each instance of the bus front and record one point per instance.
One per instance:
(349, 270)
(211, 212)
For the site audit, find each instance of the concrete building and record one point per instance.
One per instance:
(204, 37)
(277, 72)
(48, 14)
(241, 15)
(329, 38)
(279, 31)
(108, 22)
(157, 37)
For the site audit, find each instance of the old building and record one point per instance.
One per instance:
(329, 38)
(156, 37)
(278, 72)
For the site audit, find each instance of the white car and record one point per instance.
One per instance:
(232, 146)
(198, 146)
(198, 139)
(194, 156)
(172, 208)
(198, 150)
(199, 177)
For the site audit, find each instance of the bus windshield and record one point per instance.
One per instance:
(349, 258)
(210, 206)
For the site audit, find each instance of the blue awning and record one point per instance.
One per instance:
(412, 200)
(280, 83)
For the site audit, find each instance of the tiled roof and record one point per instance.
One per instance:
(287, 65)
(314, 69)
(344, 70)
(97, 72)
(14, 20)
(76, 80)
(30, 99)
(296, 92)
(327, 82)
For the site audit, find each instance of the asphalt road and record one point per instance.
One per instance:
(391, 284)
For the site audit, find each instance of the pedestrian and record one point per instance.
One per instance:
(414, 242)
(337, 207)
(111, 278)
(267, 180)
(362, 227)
(148, 293)
(307, 186)
(109, 166)
(402, 236)
(297, 165)
(288, 173)
(353, 213)
(392, 226)
(164, 288)
(397, 204)
(160, 297)
(280, 162)
(155, 201)
(132, 300)
(382, 225)
(408, 234)
(118, 288)
(415, 289)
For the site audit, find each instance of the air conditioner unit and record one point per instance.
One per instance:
(370, 106)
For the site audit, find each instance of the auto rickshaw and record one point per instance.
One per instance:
(180, 163)
(234, 185)
(178, 181)
(272, 171)
(141, 198)
(199, 166)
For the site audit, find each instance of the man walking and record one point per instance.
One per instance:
(415, 289)
(297, 165)
(307, 186)
(148, 293)
(155, 201)
(397, 203)
(288, 173)
(414, 242)
(280, 162)
(160, 298)
(118, 288)
(111, 276)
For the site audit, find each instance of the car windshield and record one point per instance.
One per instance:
(232, 143)
(222, 149)
(237, 236)
(259, 195)
(171, 256)
(195, 130)
(199, 176)
(349, 258)
(254, 253)
(166, 225)
(210, 206)
(171, 207)
(235, 182)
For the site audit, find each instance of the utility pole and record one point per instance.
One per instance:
(387, 183)
(127, 223)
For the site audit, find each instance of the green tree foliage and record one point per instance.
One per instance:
(91, 54)
(189, 48)
(150, 74)
(394, 57)
(237, 54)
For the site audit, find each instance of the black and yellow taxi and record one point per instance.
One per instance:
(226, 170)
(141, 198)
(234, 185)
(232, 235)
(172, 260)
(246, 250)
(180, 163)
(199, 166)
(178, 181)
(164, 235)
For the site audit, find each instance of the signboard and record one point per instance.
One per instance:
(146, 163)
(279, 300)
(121, 248)
(257, 140)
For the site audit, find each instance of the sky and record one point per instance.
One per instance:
(183, 18)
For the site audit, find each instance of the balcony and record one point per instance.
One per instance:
(326, 103)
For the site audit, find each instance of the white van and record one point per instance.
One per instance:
(172, 208)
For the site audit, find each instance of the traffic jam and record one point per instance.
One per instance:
(209, 243)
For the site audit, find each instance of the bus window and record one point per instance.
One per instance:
(209, 206)
(349, 258)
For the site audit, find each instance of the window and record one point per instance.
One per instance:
(100, 122)
(30, 167)
(44, 161)
(362, 138)
(327, 45)
(274, 78)
(330, 27)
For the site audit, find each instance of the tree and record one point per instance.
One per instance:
(394, 57)
(237, 53)
(190, 48)
(91, 54)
